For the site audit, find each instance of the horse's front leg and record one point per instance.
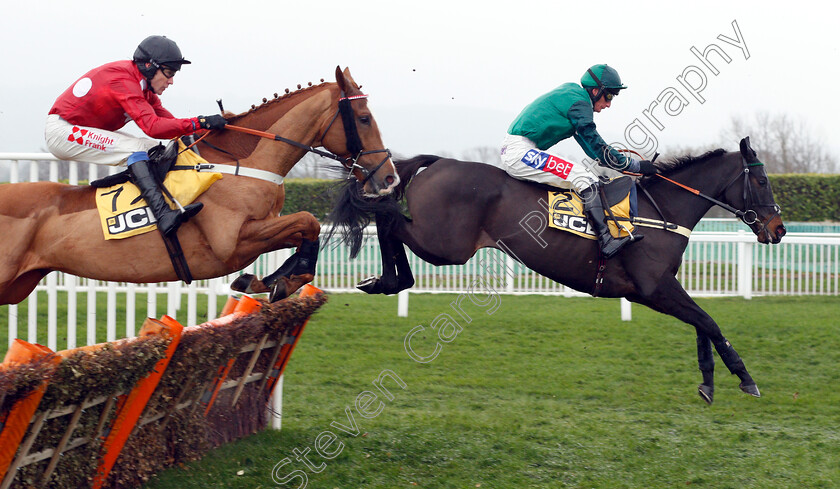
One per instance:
(257, 237)
(670, 298)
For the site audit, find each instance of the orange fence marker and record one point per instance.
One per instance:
(286, 352)
(15, 423)
(131, 406)
(244, 305)
(229, 306)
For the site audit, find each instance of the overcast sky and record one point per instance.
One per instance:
(446, 76)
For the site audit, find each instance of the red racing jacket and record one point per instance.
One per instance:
(110, 96)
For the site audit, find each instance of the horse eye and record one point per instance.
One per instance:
(762, 181)
(364, 119)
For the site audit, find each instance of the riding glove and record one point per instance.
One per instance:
(646, 168)
(212, 122)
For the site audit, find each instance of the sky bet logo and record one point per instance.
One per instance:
(131, 220)
(549, 163)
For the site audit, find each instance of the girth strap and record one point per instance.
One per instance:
(240, 171)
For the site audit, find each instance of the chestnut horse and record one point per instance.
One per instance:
(50, 226)
(459, 207)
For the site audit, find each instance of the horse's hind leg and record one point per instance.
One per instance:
(706, 362)
(670, 298)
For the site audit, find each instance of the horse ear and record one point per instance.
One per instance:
(746, 151)
(351, 83)
(339, 78)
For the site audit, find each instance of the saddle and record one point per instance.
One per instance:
(566, 212)
(162, 158)
(122, 210)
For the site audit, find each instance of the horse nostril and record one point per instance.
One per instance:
(389, 180)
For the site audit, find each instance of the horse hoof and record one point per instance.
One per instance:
(750, 389)
(242, 283)
(370, 285)
(707, 392)
(279, 291)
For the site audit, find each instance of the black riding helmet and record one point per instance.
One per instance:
(158, 50)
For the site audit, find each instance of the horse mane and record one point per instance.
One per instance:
(277, 99)
(681, 162)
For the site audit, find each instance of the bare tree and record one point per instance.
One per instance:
(786, 144)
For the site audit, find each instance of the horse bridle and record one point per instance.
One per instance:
(749, 216)
(354, 143)
(351, 134)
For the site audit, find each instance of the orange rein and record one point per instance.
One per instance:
(248, 130)
(678, 184)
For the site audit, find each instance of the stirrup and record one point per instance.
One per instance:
(191, 210)
(613, 246)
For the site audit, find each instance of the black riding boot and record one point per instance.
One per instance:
(168, 219)
(595, 211)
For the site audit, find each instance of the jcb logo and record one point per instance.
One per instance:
(131, 220)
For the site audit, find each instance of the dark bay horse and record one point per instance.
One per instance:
(52, 226)
(459, 207)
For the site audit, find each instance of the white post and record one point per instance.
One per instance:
(192, 303)
(13, 323)
(510, 263)
(626, 310)
(72, 310)
(130, 310)
(402, 303)
(32, 317)
(111, 321)
(151, 301)
(91, 311)
(275, 406)
(52, 312)
(173, 299)
(744, 266)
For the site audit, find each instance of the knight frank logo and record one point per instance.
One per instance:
(90, 139)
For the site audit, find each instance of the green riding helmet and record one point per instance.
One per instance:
(604, 78)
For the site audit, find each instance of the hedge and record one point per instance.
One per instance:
(807, 197)
(802, 197)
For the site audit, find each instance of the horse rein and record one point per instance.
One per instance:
(748, 193)
(352, 137)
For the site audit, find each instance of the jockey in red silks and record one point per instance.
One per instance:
(84, 121)
(567, 111)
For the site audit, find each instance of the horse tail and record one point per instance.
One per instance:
(406, 169)
(351, 213)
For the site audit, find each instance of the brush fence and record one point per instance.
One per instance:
(111, 415)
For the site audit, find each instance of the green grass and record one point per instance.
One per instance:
(547, 393)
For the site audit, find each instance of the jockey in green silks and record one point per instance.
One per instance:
(567, 111)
